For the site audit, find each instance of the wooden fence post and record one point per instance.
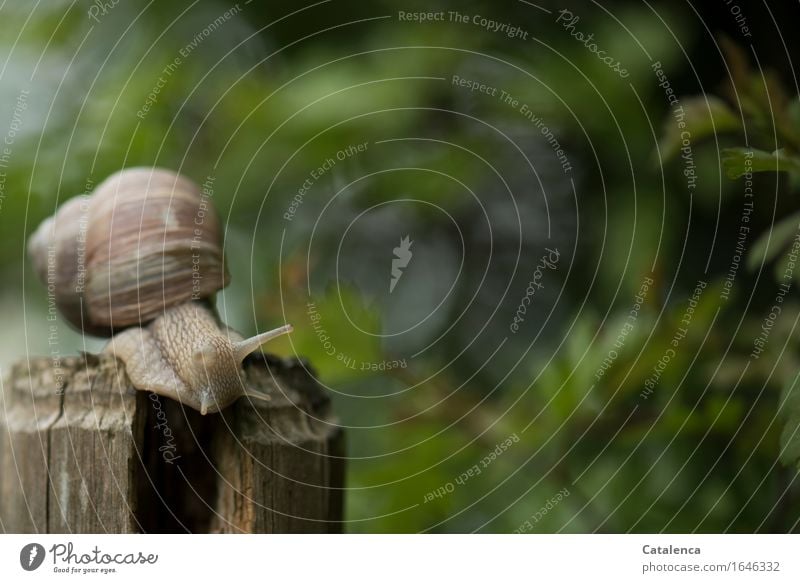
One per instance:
(82, 452)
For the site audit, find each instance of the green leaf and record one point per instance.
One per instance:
(704, 117)
(793, 111)
(790, 437)
(736, 161)
(326, 333)
(784, 269)
(769, 244)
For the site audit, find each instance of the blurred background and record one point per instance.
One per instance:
(567, 341)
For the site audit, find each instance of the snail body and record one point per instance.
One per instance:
(188, 355)
(139, 260)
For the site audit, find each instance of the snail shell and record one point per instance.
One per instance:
(145, 240)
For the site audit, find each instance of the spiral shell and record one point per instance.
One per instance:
(145, 240)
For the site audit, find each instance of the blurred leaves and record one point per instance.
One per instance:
(761, 97)
(260, 109)
(705, 117)
(741, 161)
(771, 243)
(319, 333)
(790, 436)
(770, 117)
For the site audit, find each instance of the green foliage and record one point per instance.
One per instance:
(337, 356)
(790, 437)
(773, 242)
(263, 102)
(705, 117)
(740, 161)
(768, 114)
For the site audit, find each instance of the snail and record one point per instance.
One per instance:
(139, 259)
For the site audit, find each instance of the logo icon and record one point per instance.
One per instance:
(402, 256)
(31, 556)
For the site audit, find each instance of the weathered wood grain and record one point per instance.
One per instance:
(90, 454)
(281, 466)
